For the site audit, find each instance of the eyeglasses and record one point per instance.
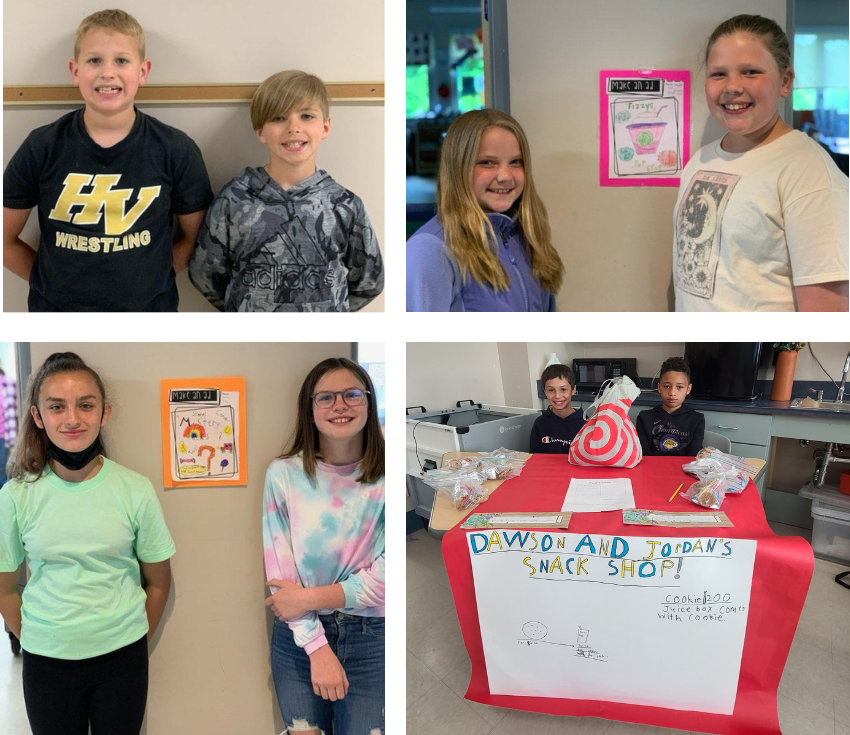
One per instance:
(351, 397)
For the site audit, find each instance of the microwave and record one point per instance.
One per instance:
(591, 373)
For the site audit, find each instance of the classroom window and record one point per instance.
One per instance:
(418, 65)
(821, 79)
(418, 102)
(467, 62)
(370, 356)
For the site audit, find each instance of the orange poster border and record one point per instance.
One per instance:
(232, 384)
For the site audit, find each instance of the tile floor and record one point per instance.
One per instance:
(13, 720)
(814, 694)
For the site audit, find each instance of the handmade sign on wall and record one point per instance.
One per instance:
(203, 432)
(639, 620)
(644, 119)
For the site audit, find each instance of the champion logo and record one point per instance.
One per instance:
(552, 439)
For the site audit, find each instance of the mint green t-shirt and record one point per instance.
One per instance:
(82, 542)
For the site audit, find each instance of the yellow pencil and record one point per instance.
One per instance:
(674, 494)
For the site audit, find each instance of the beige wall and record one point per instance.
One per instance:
(194, 41)
(209, 669)
(622, 235)
(513, 361)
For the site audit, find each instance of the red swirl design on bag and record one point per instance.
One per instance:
(608, 439)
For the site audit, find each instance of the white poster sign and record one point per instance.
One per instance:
(638, 620)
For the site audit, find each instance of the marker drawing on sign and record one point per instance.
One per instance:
(535, 633)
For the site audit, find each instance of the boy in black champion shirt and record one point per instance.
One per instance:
(557, 427)
(107, 180)
(672, 429)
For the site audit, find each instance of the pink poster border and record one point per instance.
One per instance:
(604, 157)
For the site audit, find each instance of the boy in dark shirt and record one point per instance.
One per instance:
(107, 180)
(557, 427)
(672, 429)
(286, 236)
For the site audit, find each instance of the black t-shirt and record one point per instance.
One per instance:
(105, 214)
(679, 433)
(551, 434)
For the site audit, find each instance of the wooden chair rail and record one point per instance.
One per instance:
(48, 94)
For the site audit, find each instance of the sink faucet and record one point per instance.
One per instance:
(825, 457)
(839, 398)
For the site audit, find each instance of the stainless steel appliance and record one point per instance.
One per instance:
(591, 373)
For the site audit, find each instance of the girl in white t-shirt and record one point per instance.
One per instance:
(761, 217)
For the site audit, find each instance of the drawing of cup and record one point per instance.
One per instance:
(646, 136)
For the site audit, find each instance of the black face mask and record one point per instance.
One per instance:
(73, 460)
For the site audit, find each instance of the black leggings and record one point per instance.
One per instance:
(108, 691)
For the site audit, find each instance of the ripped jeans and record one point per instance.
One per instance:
(359, 645)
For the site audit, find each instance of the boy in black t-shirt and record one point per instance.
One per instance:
(553, 432)
(107, 180)
(672, 428)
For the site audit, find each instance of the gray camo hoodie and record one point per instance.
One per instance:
(309, 248)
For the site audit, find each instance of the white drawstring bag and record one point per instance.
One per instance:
(609, 438)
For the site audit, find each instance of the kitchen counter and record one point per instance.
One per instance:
(754, 428)
(762, 406)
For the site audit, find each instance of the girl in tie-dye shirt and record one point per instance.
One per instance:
(323, 538)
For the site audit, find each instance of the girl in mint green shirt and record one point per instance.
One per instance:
(97, 548)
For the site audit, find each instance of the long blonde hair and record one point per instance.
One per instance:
(468, 232)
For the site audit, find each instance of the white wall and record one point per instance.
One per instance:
(194, 41)
(831, 354)
(210, 669)
(539, 354)
(441, 373)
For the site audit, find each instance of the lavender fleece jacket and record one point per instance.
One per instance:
(434, 282)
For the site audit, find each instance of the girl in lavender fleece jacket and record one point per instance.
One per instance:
(323, 539)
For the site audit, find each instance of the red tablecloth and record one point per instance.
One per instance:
(781, 575)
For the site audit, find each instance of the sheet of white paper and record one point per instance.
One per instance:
(617, 619)
(591, 496)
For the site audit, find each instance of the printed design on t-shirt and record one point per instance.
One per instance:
(552, 440)
(698, 223)
(669, 439)
(87, 200)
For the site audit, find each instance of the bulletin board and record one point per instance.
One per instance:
(203, 432)
(586, 613)
(644, 119)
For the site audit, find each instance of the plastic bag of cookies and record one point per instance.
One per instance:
(462, 487)
(708, 491)
(499, 468)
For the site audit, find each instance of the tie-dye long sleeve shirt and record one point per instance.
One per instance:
(324, 532)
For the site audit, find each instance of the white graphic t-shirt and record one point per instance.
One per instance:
(750, 226)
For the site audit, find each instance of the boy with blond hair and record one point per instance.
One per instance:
(286, 236)
(107, 180)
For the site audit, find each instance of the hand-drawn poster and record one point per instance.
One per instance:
(203, 432)
(644, 119)
(640, 620)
